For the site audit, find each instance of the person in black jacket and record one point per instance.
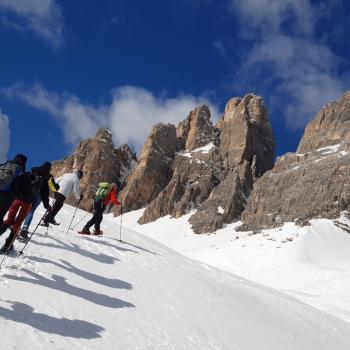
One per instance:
(9, 172)
(43, 196)
(26, 188)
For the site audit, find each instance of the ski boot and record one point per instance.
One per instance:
(23, 235)
(84, 231)
(98, 232)
(7, 250)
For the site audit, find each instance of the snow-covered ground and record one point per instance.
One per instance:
(311, 263)
(77, 292)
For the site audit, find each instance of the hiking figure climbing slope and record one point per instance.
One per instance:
(9, 172)
(68, 183)
(43, 196)
(106, 194)
(26, 189)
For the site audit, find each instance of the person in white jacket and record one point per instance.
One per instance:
(68, 183)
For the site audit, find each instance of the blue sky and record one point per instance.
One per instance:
(69, 67)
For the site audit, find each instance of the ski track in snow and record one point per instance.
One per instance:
(86, 292)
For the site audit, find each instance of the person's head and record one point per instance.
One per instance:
(113, 186)
(46, 165)
(45, 169)
(21, 160)
(80, 174)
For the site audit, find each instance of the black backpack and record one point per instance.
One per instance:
(35, 183)
(8, 172)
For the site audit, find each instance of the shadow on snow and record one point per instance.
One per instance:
(59, 283)
(109, 282)
(72, 247)
(25, 314)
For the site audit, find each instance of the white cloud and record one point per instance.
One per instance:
(4, 136)
(269, 15)
(44, 17)
(303, 70)
(130, 116)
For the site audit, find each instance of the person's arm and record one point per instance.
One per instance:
(44, 194)
(58, 180)
(114, 199)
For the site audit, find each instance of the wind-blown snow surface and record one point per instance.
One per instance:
(311, 263)
(77, 292)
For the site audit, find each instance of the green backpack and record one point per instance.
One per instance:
(102, 191)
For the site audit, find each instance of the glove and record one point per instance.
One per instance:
(48, 207)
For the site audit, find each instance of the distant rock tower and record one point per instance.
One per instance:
(100, 161)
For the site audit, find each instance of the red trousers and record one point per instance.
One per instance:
(17, 213)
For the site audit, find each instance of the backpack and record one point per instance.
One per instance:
(8, 172)
(102, 191)
(36, 183)
(53, 186)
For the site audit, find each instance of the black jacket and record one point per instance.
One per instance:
(32, 184)
(28, 186)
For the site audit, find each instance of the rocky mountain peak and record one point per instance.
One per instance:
(152, 171)
(314, 181)
(196, 130)
(100, 161)
(330, 126)
(202, 167)
(104, 134)
(246, 134)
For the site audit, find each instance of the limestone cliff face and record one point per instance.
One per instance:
(152, 172)
(314, 181)
(99, 161)
(246, 151)
(204, 167)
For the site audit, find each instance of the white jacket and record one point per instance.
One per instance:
(68, 183)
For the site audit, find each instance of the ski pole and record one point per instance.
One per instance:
(76, 209)
(121, 222)
(31, 235)
(79, 221)
(82, 218)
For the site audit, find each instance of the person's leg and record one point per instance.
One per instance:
(11, 216)
(29, 217)
(99, 218)
(59, 200)
(93, 220)
(22, 209)
(5, 203)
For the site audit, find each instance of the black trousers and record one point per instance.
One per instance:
(59, 200)
(6, 200)
(98, 216)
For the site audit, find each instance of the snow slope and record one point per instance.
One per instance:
(72, 292)
(311, 263)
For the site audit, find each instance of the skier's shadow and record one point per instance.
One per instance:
(105, 243)
(109, 282)
(134, 246)
(59, 283)
(25, 314)
(72, 247)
